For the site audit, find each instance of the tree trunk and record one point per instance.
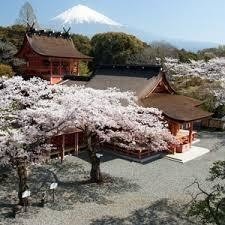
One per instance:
(22, 174)
(96, 176)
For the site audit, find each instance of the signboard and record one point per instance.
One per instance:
(53, 186)
(98, 155)
(26, 194)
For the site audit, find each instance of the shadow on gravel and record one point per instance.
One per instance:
(161, 212)
(207, 136)
(8, 194)
(73, 186)
(107, 156)
(220, 135)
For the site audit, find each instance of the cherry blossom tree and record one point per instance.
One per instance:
(32, 111)
(111, 116)
(219, 94)
(213, 71)
(22, 139)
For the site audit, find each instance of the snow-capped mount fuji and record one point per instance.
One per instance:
(84, 20)
(81, 14)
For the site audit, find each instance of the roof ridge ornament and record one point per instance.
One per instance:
(49, 33)
(66, 33)
(30, 29)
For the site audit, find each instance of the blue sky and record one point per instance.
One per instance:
(202, 20)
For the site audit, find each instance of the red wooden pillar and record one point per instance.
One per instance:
(78, 68)
(76, 147)
(176, 128)
(174, 150)
(50, 67)
(60, 67)
(71, 67)
(139, 154)
(63, 148)
(51, 71)
(190, 133)
(27, 64)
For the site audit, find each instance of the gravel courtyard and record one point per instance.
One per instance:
(151, 193)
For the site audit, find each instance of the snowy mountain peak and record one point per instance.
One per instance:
(82, 14)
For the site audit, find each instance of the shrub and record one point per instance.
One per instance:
(220, 111)
(83, 69)
(6, 70)
(114, 47)
(82, 43)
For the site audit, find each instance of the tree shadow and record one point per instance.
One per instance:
(8, 194)
(160, 212)
(207, 135)
(73, 187)
(107, 155)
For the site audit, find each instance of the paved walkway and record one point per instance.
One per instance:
(152, 193)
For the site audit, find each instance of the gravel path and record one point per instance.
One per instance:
(152, 193)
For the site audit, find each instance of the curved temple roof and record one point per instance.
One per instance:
(56, 46)
(176, 107)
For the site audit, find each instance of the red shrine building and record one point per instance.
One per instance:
(50, 55)
(53, 56)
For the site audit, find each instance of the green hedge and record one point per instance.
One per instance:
(6, 70)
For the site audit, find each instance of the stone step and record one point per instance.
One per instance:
(192, 153)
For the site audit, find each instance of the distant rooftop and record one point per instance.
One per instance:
(145, 71)
(124, 77)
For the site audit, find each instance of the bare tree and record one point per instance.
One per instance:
(209, 206)
(27, 16)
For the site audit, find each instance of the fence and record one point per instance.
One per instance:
(214, 123)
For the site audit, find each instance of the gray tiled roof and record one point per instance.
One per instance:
(126, 78)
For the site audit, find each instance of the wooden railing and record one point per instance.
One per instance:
(139, 154)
